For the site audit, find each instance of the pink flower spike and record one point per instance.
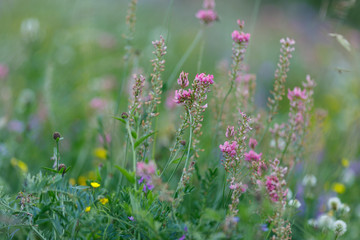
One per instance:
(252, 143)
(204, 80)
(207, 16)
(241, 23)
(296, 93)
(252, 156)
(183, 79)
(240, 37)
(229, 149)
(182, 95)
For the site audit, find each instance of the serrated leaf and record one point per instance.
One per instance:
(143, 138)
(129, 176)
(343, 41)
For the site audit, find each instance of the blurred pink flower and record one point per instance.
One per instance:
(252, 143)
(97, 103)
(229, 149)
(252, 156)
(296, 93)
(207, 16)
(4, 70)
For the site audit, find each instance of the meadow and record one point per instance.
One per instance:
(160, 119)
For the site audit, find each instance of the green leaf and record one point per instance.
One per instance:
(49, 169)
(343, 42)
(176, 160)
(133, 134)
(129, 176)
(120, 119)
(143, 138)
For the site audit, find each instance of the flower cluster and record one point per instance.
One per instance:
(229, 149)
(146, 171)
(275, 183)
(240, 37)
(208, 14)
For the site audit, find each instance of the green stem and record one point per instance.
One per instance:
(133, 149)
(57, 154)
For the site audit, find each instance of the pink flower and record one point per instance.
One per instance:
(4, 70)
(182, 95)
(229, 149)
(209, 4)
(207, 16)
(183, 80)
(252, 156)
(240, 37)
(296, 93)
(271, 184)
(230, 131)
(97, 103)
(143, 168)
(204, 79)
(252, 143)
(170, 103)
(241, 23)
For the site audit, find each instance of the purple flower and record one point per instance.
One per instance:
(131, 218)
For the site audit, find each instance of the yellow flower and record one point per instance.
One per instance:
(345, 162)
(82, 181)
(104, 201)
(13, 162)
(100, 153)
(95, 184)
(87, 209)
(72, 181)
(338, 187)
(22, 166)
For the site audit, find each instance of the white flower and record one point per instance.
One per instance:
(294, 203)
(289, 194)
(334, 203)
(309, 180)
(339, 227)
(345, 208)
(30, 28)
(312, 222)
(325, 221)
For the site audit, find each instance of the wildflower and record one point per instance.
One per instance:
(309, 180)
(339, 227)
(230, 131)
(183, 237)
(229, 149)
(100, 153)
(95, 184)
(296, 93)
(334, 203)
(146, 172)
(338, 188)
(82, 181)
(16, 126)
(345, 208)
(182, 95)
(87, 209)
(207, 16)
(264, 227)
(325, 221)
(56, 135)
(131, 218)
(4, 70)
(20, 164)
(294, 203)
(205, 80)
(252, 143)
(104, 201)
(345, 162)
(252, 156)
(97, 103)
(72, 181)
(240, 37)
(183, 80)
(271, 183)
